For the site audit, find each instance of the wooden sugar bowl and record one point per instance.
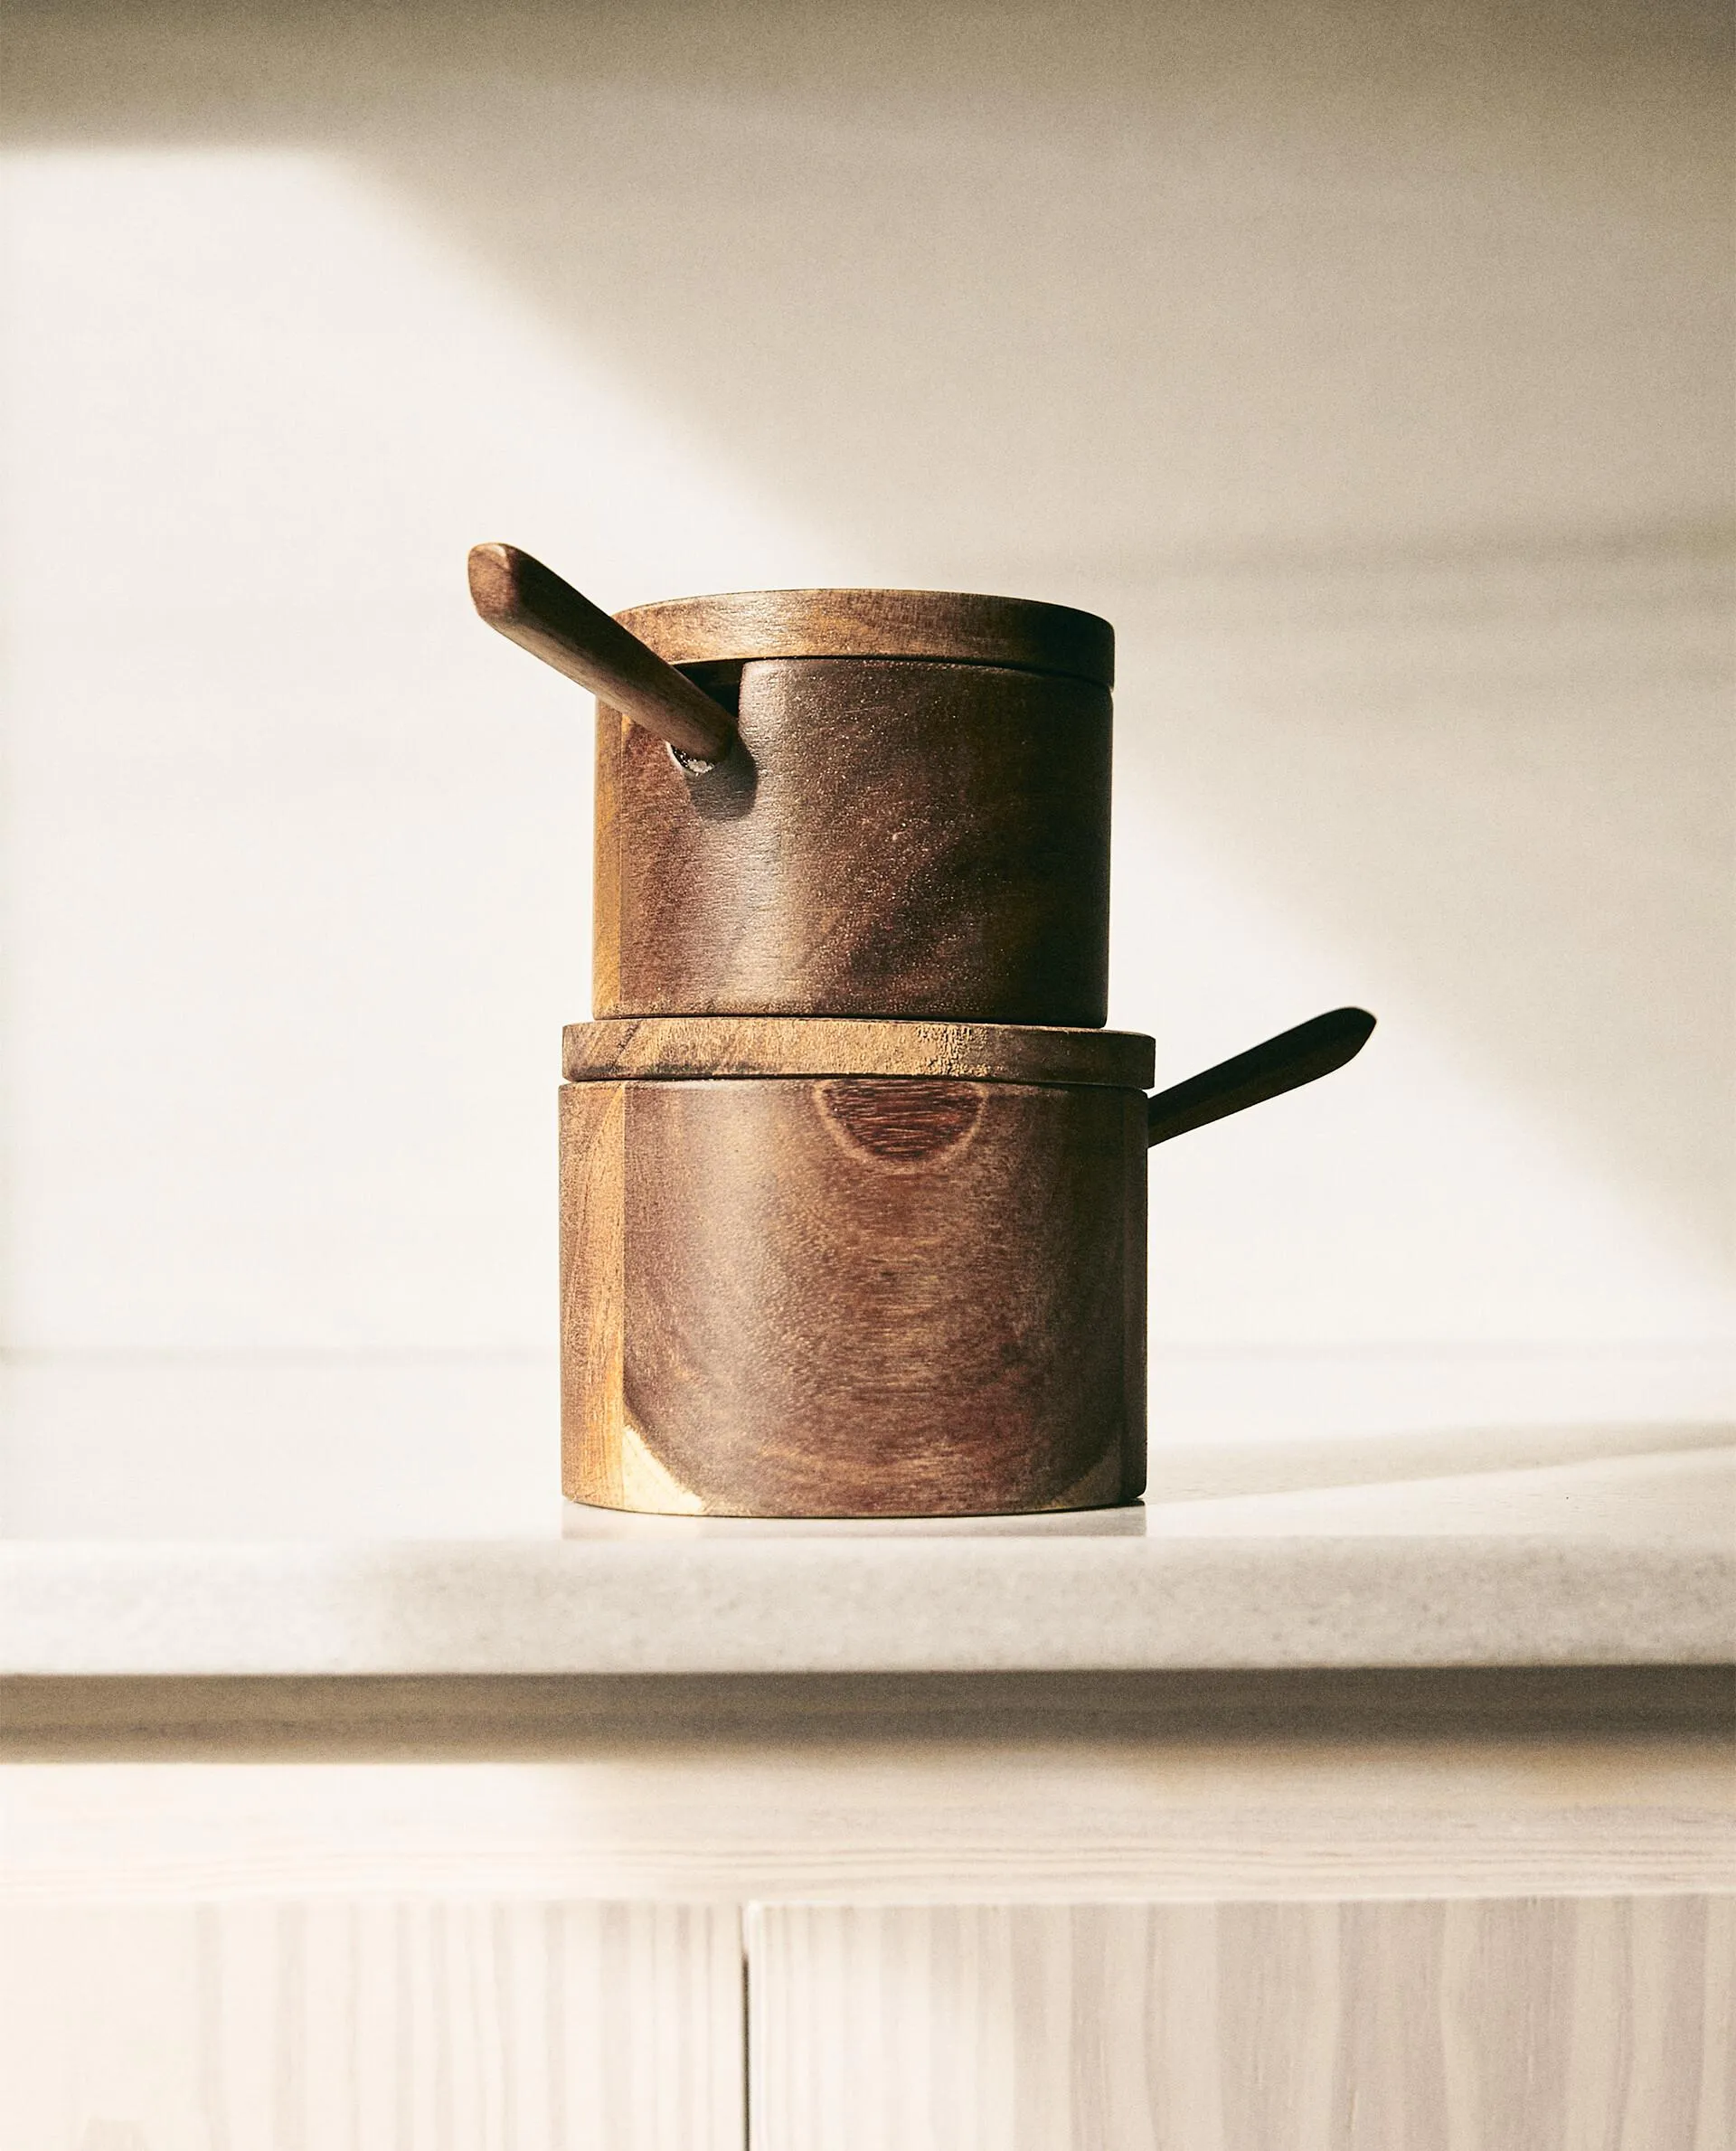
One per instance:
(866, 1269)
(886, 1270)
(844, 803)
(853, 1187)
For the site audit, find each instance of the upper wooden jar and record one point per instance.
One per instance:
(914, 820)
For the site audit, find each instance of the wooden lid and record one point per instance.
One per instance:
(949, 625)
(691, 1048)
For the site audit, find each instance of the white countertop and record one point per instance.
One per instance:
(1615, 1550)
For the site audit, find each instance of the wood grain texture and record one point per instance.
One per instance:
(864, 1791)
(606, 864)
(593, 1148)
(1477, 2024)
(351, 2023)
(680, 1047)
(949, 625)
(852, 1297)
(890, 838)
(529, 604)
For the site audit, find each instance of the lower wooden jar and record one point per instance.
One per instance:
(869, 1277)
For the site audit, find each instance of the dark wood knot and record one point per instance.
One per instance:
(901, 1120)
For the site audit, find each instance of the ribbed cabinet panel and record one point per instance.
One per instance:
(1456, 2025)
(371, 2024)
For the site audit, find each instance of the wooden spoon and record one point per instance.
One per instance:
(531, 606)
(1313, 1048)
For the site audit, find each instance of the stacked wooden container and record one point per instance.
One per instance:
(853, 1180)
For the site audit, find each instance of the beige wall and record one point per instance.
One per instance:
(1368, 366)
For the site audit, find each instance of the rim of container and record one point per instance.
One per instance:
(948, 626)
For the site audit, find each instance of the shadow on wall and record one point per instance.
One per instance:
(1361, 362)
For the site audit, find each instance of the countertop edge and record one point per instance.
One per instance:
(867, 1606)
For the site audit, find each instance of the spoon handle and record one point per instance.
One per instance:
(531, 606)
(1293, 1056)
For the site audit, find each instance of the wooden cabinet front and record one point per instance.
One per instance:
(1470, 2024)
(370, 2024)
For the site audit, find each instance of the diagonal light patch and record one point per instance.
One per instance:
(1409, 1199)
(297, 868)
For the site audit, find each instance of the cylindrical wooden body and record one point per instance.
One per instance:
(910, 833)
(852, 1296)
